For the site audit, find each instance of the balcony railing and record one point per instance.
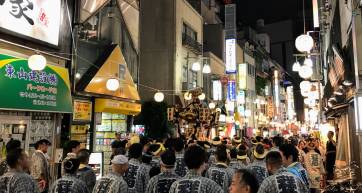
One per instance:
(191, 44)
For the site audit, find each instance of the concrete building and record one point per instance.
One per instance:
(171, 36)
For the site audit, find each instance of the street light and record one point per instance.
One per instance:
(212, 105)
(304, 43)
(206, 69)
(305, 72)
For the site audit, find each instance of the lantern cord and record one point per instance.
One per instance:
(304, 16)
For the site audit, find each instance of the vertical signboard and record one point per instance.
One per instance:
(231, 91)
(242, 76)
(216, 90)
(230, 50)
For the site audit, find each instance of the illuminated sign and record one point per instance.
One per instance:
(241, 97)
(242, 76)
(315, 14)
(231, 91)
(230, 56)
(216, 90)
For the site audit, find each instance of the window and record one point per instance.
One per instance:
(194, 79)
(187, 30)
(184, 73)
(251, 70)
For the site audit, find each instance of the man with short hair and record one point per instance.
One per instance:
(16, 180)
(220, 172)
(85, 172)
(71, 149)
(290, 160)
(114, 182)
(277, 142)
(195, 157)
(163, 181)
(280, 179)
(136, 175)
(314, 166)
(180, 168)
(40, 169)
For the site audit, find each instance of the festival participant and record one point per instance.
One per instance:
(258, 166)
(280, 180)
(71, 150)
(215, 142)
(244, 182)
(330, 155)
(146, 161)
(156, 149)
(163, 181)
(114, 182)
(11, 145)
(290, 160)
(299, 146)
(193, 182)
(220, 172)
(277, 142)
(314, 166)
(242, 157)
(85, 172)
(236, 141)
(40, 169)
(69, 183)
(16, 179)
(234, 164)
(181, 168)
(136, 175)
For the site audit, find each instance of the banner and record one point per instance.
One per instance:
(32, 18)
(24, 89)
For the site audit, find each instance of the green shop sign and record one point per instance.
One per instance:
(24, 89)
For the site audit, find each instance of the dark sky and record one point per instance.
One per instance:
(248, 11)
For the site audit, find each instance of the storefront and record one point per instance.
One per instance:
(32, 102)
(112, 102)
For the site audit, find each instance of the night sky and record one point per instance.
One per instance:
(248, 11)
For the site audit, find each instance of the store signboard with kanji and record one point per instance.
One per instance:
(38, 19)
(24, 89)
(82, 110)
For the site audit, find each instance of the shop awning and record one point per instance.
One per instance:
(110, 65)
(118, 107)
(24, 89)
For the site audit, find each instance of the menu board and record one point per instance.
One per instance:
(105, 134)
(80, 133)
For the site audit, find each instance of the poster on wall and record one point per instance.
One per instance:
(38, 19)
(24, 89)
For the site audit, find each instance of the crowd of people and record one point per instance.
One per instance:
(177, 165)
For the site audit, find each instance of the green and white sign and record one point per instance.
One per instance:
(24, 89)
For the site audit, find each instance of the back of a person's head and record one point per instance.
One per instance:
(221, 153)
(71, 165)
(259, 138)
(289, 150)
(274, 159)
(147, 158)
(247, 178)
(259, 149)
(194, 157)
(169, 143)
(233, 153)
(135, 151)
(13, 144)
(71, 145)
(83, 156)
(154, 147)
(278, 141)
(294, 141)
(12, 157)
(168, 158)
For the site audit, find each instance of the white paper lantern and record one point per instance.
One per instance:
(112, 84)
(305, 72)
(296, 67)
(159, 96)
(305, 86)
(212, 105)
(37, 62)
(308, 62)
(196, 66)
(206, 69)
(304, 43)
(202, 97)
